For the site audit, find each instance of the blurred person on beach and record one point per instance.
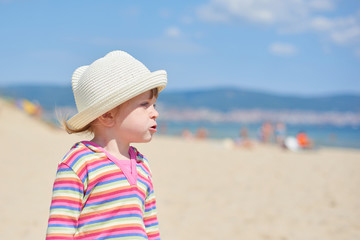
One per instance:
(280, 133)
(187, 134)
(202, 133)
(243, 140)
(304, 141)
(103, 188)
(266, 132)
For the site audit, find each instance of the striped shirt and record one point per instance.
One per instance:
(94, 197)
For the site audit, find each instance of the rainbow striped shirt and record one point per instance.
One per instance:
(93, 198)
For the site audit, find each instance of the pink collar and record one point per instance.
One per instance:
(131, 175)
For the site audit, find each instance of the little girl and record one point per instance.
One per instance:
(103, 187)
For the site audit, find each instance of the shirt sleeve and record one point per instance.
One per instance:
(150, 216)
(65, 205)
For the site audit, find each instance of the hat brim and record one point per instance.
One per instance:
(157, 79)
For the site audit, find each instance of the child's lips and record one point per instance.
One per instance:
(153, 128)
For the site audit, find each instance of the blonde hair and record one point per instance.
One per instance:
(89, 128)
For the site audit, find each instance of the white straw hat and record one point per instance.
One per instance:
(108, 82)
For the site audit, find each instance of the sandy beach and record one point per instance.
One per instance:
(205, 190)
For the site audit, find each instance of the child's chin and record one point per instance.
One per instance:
(145, 140)
(149, 139)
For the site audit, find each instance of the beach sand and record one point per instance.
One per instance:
(204, 189)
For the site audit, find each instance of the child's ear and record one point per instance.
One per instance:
(107, 119)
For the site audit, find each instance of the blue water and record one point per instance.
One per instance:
(322, 135)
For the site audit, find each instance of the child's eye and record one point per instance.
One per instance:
(154, 105)
(144, 104)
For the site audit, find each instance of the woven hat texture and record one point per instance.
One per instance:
(109, 82)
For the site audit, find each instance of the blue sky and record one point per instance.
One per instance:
(303, 47)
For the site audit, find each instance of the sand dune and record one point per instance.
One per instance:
(204, 190)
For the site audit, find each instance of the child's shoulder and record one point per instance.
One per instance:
(79, 154)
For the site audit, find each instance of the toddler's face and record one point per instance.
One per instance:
(136, 119)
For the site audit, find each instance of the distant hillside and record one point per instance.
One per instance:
(228, 99)
(223, 100)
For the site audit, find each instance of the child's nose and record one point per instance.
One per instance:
(154, 113)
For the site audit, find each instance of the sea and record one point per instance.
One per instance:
(322, 135)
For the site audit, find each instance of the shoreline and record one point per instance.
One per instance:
(324, 135)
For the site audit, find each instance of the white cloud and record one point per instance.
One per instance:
(173, 32)
(346, 36)
(212, 14)
(324, 23)
(287, 16)
(282, 49)
(262, 11)
(321, 23)
(321, 4)
(340, 30)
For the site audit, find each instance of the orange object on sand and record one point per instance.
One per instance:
(303, 140)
